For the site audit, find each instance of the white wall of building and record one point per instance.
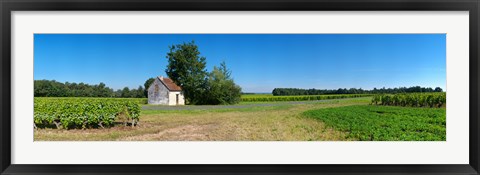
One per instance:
(157, 93)
(172, 98)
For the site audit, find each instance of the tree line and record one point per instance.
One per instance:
(298, 91)
(52, 88)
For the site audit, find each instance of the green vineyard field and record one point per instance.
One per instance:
(434, 99)
(85, 112)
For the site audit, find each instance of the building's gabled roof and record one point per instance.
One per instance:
(171, 86)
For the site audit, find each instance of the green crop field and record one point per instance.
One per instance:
(297, 118)
(434, 99)
(256, 95)
(84, 113)
(381, 123)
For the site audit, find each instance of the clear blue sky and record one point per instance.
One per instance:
(259, 62)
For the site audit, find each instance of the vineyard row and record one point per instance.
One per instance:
(412, 99)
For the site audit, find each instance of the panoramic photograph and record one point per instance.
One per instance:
(239, 87)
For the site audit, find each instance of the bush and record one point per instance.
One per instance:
(221, 89)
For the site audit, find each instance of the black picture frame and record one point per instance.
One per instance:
(7, 6)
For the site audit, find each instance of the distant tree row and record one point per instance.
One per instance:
(297, 91)
(52, 88)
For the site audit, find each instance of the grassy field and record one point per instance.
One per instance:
(273, 121)
(271, 98)
(266, 123)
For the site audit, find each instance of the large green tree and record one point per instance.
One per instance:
(187, 69)
(221, 89)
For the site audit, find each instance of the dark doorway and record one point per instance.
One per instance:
(177, 98)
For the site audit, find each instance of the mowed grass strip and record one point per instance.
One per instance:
(270, 98)
(385, 123)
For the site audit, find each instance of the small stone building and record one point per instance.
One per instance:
(165, 92)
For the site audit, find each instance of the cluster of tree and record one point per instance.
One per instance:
(52, 88)
(297, 91)
(188, 70)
